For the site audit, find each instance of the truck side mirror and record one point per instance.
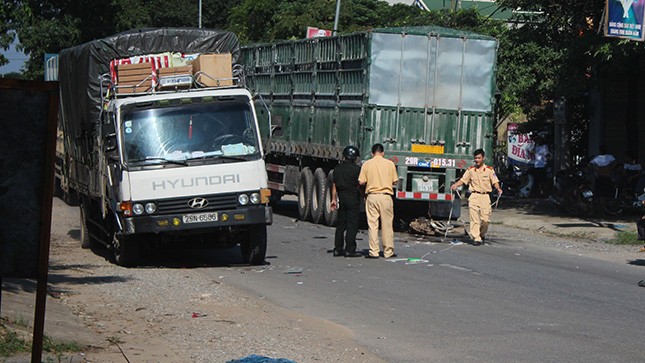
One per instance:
(268, 111)
(276, 126)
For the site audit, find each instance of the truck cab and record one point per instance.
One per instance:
(186, 164)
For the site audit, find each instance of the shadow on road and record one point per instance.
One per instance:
(75, 234)
(638, 262)
(545, 207)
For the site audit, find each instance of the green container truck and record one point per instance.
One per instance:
(425, 93)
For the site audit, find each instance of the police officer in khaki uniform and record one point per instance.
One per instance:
(481, 179)
(379, 176)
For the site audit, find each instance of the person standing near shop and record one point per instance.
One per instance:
(345, 196)
(379, 176)
(481, 180)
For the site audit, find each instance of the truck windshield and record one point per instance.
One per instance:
(223, 130)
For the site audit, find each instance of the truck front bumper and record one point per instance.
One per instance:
(256, 215)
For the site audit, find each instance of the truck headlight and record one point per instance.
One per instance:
(151, 208)
(137, 208)
(243, 199)
(255, 198)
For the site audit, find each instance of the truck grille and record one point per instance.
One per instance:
(180, 205)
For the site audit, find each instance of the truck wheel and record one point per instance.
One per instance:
(127, 250)
(318, 197)
(254, 248)
(86, 240)
(305, 188)
(331, 217)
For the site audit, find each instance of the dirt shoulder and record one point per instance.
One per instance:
(167, 314)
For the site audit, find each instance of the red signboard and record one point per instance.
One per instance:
(315, 32)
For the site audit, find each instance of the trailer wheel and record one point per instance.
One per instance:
(331, 217)
(318, 197)
(127, 250)
(254, 248)
(305, 189)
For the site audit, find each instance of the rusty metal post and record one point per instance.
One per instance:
(45, 229)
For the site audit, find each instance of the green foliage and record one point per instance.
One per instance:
(626, 238)
(53, 346)
(7, 34)
(555, 51)
(11, 343)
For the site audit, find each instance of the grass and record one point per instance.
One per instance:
(20, 322)
(11, 343)
(626, 238)
(53, 346)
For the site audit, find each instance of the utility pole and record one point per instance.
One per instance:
(337, 16)
(560, 142)
(200, 14)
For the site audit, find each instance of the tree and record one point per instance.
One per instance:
(557, 51)
(7, 34)
(51, 25)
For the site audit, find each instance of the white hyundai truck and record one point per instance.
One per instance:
(163, 144)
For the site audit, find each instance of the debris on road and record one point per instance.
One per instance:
(293, 271)
(260, 359)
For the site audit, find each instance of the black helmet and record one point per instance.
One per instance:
(350, 152)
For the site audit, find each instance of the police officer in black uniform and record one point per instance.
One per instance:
(346, 188)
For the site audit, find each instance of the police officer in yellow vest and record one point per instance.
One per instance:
(481, 179)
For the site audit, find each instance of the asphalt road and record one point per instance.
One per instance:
(505, 302)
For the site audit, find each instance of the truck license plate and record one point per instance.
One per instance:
(200, 217)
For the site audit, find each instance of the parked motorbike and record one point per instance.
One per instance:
(574, 192)
(518, 182)
(626, 200)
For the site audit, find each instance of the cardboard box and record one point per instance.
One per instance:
(130, 88)
(138, 69)
(217, 69)
(173, 71)
(134, 79)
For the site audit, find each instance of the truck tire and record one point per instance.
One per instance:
(254, 248)
(86, 240)
(318, 197)
(305, 188)
(331, 217)
(127, 250)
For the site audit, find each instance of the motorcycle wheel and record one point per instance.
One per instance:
(612, 206)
